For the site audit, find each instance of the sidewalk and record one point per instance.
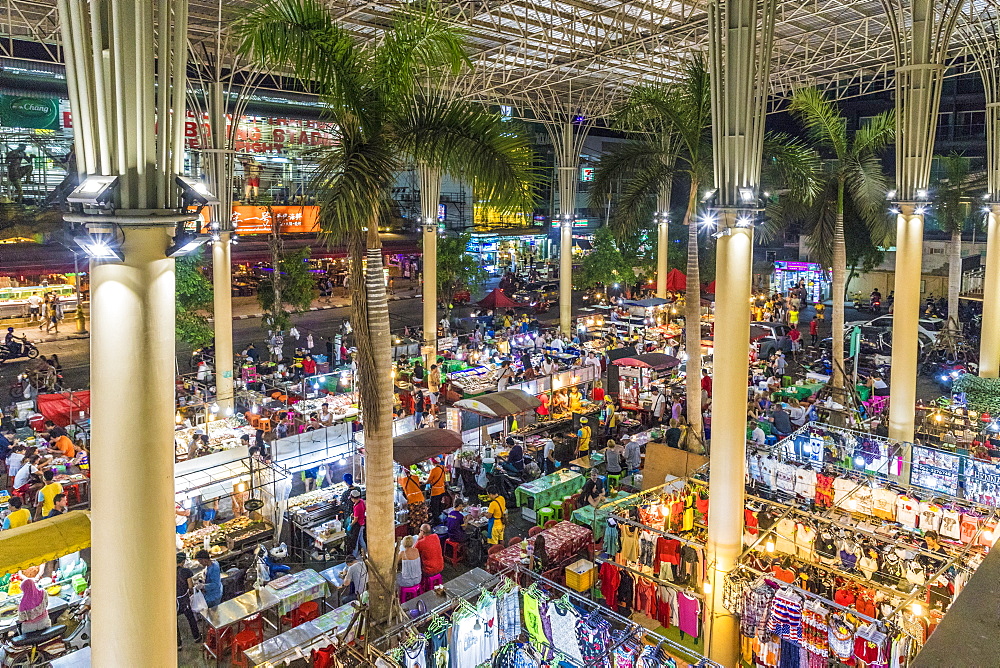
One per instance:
(67, 331)
(248, 307)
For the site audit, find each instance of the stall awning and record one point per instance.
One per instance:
(63, 408)
(421, 444)
(657, 361)
(45, 540)
(646, 303)
(676, 280)
(500, 404)
(497, 299)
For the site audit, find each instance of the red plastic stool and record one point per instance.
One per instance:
(306, 612)
(454, 552)
(323, 657)
(406, 593)
(254, 623)
(431, 581)
(218, 641)
(244, 640)
(72, 494)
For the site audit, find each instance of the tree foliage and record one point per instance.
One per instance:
(605, 264)
(290, 283)
(457, 269)
(194, 298)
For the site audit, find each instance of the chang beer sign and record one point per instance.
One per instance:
(33, 113)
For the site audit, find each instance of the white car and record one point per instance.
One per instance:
(929, 327)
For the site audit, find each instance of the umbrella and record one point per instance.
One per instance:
(497, 299)
(421, 444)
(500, 404)
(676, 280)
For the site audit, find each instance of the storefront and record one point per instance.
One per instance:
(499, 252)
(811, 275)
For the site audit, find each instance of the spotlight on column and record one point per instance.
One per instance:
(922, 193)
(100, 244)
(194, 191)
(746, 195)
(709, 194)
(185, 243)
(94, 191)
(890, 195)
(744, 221)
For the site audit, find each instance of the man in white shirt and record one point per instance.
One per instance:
(633, 456)
(548, 367)
(659, 406)
(757, 435)
(34, 308)
(21, 477)
(549, 463)
(594, 362)
(557, 344)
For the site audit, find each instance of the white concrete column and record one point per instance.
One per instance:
(132, 486)
(734, 261)
(989, 341)
(566, 274)
(905, 315)
(222, 291)
(662, 250)
(429, 290)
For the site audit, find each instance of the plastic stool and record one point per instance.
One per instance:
(431, 581)
(786, 381)
(557, 510)
(406, 593)
(254, 623)
(544, 515)
(455, 554)
(614, 480)
(770, 439)
(72, 494)
(568, 506)
(244, 640)
(218, 641)
(307, 612)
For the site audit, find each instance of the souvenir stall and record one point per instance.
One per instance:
(950, 425)
(639, 377)
(506, 623)
(235, 502)
(848, 449)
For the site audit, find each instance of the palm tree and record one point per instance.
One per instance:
(954, 207)
(384, 97)
(671, 127)
(851, 184)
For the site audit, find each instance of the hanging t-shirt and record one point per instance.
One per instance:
(951, 524)
(466, 646)
(532, 620)
(805, 483)
(805, 536)
(784, 538)
(824, 490)
(930, 516)
(769, 471)
(863, 494)
(842, 494)
(415, 655)
(907, 509)
(884, 503)
(786, 478)
(688, 612)
(509, 615)
(563, 619)
(609, 584)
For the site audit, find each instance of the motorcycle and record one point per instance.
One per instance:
(22, 348)
(39, 648)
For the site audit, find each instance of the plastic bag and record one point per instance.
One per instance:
(198, 603)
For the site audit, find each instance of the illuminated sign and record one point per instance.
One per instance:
(797, 266)
(586, 174)
(579, 222)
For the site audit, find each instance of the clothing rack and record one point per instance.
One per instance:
(628, 623)
(654, 578)
(648, 496)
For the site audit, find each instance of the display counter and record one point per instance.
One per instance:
(298, 641)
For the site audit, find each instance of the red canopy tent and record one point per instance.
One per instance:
(676, 280)
(709, 289)
(65, 407)
(497, 299)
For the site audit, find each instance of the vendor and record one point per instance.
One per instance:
(878, 386)
(33, 609)
(575, 399)
(416, 504)
(558, 404)
(583, 435)
(497, 514)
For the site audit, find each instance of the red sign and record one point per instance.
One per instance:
(292, 219)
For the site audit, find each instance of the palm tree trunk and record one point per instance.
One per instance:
(837, 382)
(954, 277)
(692, 321)
(375, 376)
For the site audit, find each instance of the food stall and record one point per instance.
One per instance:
(640, 375)
(495, 408)
(14, 300)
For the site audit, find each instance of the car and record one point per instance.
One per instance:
(770, 336)
(929, 327)
(535, 292)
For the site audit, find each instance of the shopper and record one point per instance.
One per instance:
(33, 609)
(408, 564)
(659, 407)
(356, 523)
(436, 483)
(757, 435)
(780, 419)
(429, 546)
(672, 436)
(185, 587)
(213, 578)
(814, 330)
(416, 504)
(592, 493)
(506, 375)
(60, 504)
(496, 513)
(633, 456)
(434, 380)
(613, 458)
(18, 515)
(355, 579)
(47, 494)
(420, 407)
(455, 521)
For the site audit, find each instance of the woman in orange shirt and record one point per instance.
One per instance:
(416, 504)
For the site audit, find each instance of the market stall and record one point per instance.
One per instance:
(495, 408)
(640, 376)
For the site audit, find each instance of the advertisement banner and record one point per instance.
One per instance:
(292, 219)
(32, 113)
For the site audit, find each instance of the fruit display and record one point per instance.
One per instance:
(222, 434)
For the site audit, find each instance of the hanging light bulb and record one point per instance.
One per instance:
(916, 608)
(769, 546)
(707, 587)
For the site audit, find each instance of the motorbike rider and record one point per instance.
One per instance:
(13, 345)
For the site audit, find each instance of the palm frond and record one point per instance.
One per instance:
(780, 215)
(865, 183)
(635, 206)
(469, 142)
(876, 134)
(619, 164)
(791, 164)
(353, 182)
(821, 119)
(420, 49)
(302, 35)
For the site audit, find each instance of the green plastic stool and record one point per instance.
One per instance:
(786, 381)
(557, 511)
(614, 480)
(544, 515)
